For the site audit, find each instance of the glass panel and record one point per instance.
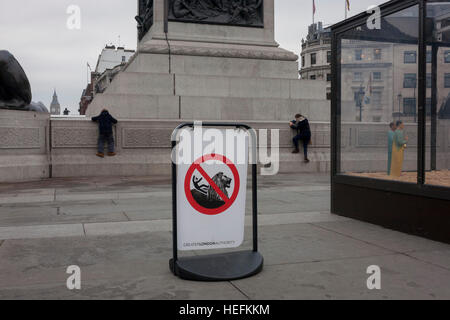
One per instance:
(438, 94)
(378, 77)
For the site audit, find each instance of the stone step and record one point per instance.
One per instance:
(142, 83)
(23, 167)
(265, 109)
(215, 86)
(213, 66)
(143, 106)
(156, 162)
(238, 87)
(208, 108)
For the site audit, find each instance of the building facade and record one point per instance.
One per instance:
(109, 63)
(316, 55)
(379, 78)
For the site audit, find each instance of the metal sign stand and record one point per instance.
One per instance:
(218, 267)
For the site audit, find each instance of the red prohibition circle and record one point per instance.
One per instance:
(187, 185)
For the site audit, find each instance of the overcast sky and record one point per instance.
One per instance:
(55, 57)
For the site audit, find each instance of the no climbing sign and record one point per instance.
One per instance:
(211, 198)
(209, 195)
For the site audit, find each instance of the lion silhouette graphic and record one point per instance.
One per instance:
(223, 182)
(206, 196)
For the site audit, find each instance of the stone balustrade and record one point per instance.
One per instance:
(33, 146)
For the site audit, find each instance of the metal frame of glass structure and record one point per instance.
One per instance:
(416, 208)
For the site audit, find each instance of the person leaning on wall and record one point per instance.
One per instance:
(105, 125)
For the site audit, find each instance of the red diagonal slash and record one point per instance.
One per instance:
(212, 183)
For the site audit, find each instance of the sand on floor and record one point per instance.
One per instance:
(438, 178)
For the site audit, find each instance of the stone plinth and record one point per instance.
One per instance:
(24, 153)
(201, 71)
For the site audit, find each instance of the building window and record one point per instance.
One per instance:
(313, 77)
(357, 76)
(313, 58)
(328, 95)
(377, 54)
(447, 56)
(328, 56)
(447, 80)
(377, 76)
(376, 99)
(124, 58)
(428, 80)
(329, 77)
(410, 57)
(377, 119)
(303, 61)
(409, 80)
(429, 56)
(358, 54)
(409, 106)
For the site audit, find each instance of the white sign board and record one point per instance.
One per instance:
(211, 188)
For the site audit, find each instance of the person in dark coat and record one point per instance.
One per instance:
(105, 125)
(301, 124)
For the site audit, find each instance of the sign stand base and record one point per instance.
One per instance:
(219, 267)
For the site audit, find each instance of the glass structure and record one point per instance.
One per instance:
(391, 117)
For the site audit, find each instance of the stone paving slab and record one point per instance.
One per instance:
(10, 217)
(295, 243)
(382, 237)
(136, 267)
(143, 288)
(114, 228)
(118, 230)
(135, 227)
(31, 196)
(439, 258)
(401, 278)
(30, 262)
(149, 214)
(41, 231)
(113, 267)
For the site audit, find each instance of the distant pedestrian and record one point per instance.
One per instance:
(301, 124)
(105, 124)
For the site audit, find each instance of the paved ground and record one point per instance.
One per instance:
(118, 231)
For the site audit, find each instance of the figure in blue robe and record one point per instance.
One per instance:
(391, 135)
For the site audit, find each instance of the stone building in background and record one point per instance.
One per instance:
(316, 55)
(379, 79)
(109, 63)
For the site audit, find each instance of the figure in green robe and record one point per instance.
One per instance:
(398, 149)
(391, 134)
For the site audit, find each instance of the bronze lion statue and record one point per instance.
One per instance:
(15, 89)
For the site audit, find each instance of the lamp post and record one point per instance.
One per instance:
(399, 104)
(359, 101)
